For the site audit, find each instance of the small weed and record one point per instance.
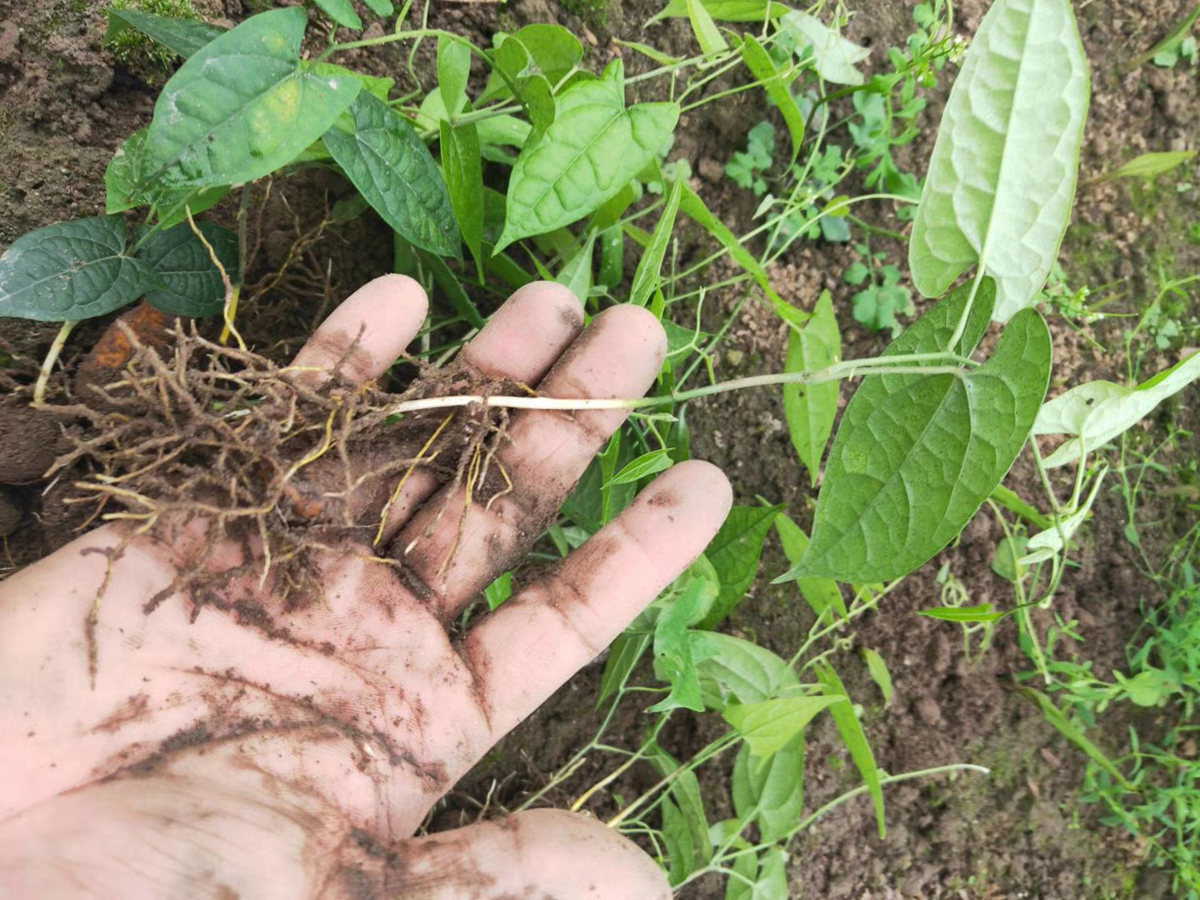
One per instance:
(883, 296)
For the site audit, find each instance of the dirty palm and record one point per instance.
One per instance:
(926, 438)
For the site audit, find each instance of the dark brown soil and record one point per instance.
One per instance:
(65, 107)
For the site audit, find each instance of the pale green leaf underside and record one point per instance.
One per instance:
(243, 106)
(392, 168)
(809, 409)
(591, 151)
(1002, 176)
(915, 456)
(72, 270)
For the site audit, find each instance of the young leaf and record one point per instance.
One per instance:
(916, 455)
(453, 70)
(734, 552)
(645, 465)
(576, 273)
(1151, 165)
(382, 8)
(1098, 411)
(879, 674)
(820, 594)
(810, 408)
(772, 724)
(734, 669)
(673, 660)
(498, 591)
(725, 10)
(463, 168)
(375, 85)
(590, 153)
(170, 203)
(981, 612)
(182, 36)
(663, 59)
(645, 279)
(192, 286)
(1002, 176)
(538, 49)
(685, 818)
(242, 106)
(706, 31)
(762, 67)
(1045, 544)
(834, 57)
(72, 270)
(392, 168)
(342, 12)
(623, 655)
(770, 793)
(854, 738)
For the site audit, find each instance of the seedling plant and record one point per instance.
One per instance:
(926, 439)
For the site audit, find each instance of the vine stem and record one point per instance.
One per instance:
(850, 369)
(60, 340)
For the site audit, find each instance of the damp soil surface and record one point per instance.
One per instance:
(65, 106)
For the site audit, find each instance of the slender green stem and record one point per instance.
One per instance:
(966, 313)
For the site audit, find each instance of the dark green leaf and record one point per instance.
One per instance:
(242, 107)
(810, 408)
(916, 455)
(192, 284)
(170, 203)
(72, 270)
(623, 655)
(645, 279)
(854, 738)
(770, 792)
(182, 36)
(590, 153)
(384, 158)
(340, 11)
(463, 168)
(734, 553)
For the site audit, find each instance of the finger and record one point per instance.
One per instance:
(454, 547)
(538, 853)
(365, 334)
(521, 341)
(537, 640)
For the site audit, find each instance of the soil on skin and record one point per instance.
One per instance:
(64, 109)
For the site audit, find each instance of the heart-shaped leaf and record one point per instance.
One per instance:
(243, 106)
(916, 455)
(392, 168)
(72, 270)
(192, 286)
(1002, 176)
(170, 203)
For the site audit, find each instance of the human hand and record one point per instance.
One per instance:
(294, 752)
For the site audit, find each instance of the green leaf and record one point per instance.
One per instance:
(341, 12)
(770, 793)
(381, 8)
(72, 270)
(192, 284)
(770, 725)
(1046, 544)
(981, 612)
(375, 85)
(1171, 43)
(645, 465)
(663, 59)
(450, 287)
(762, 67)
(673, 660)
(576, 273)
(693, 207)
(737, 670)
(684, 818)
(706, 31)
(1099, 411)
(623, 655)
(834, 57)
(243, 106)
(538, 49)
(820, 594)
(1002, 176)
(498, 591)
(463, 168)
(170, 203)
(645, 279)
(726, 10)
(879, 674)
(853, 737)
(1076, 736)
(182, 36)
(453, 70)
(734, 553)
(590, 153)
(1151, 165)
(392, 168)
(811, 408)
(506, 131)
(916, 455)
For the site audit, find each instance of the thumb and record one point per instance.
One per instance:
(538, 853)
